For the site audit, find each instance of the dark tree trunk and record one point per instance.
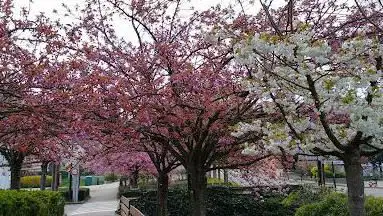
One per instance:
(162, 194)
(70, 184)
(225, 176)
(189, 182)
(55, 177)
(355, 184)
(15, 160)
(53, 173)
(43, 178)
(15, 174)
(319, 174)
(134, 179)
(58, 174)
(198, 183)
(323, 177)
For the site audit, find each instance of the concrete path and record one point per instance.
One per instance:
(103, 202)
(373, 191)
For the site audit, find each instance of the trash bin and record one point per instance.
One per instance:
(88, 180)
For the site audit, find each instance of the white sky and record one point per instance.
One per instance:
(47, 6)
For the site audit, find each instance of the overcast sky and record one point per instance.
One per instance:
(47, 6)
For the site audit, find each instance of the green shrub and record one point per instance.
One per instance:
(111, 177)
(335, 204)
(34, 181)
(178, 202)
(222, 201)
(273, 207)
(131, 192)
(374, 206)
(305, 195)
(83, 194)
(327, 172)
(31, 203)
(217, 181)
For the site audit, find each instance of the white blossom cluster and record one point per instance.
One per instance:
(348, 89)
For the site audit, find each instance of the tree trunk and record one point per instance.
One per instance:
(198, 183)
(323, 176)
(15, 160)
(43, 178)
(55, 176)
(162, 194)
(15, 174)
(134, 179)
(53, 173)
(58, 175)
(225, 176)
(355, 184)
(319, 174)
(70, 185)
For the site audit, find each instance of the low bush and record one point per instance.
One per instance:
(83, 194)
(217, 181)
(127, 192)
(34, 181)
(374, 206)
(305, 195)
(335, 204)
(327, 172)
(111, 177)
(31, 203)
(221, 201)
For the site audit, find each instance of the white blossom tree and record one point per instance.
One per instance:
(322, 75)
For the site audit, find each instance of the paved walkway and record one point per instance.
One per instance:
(374, 191)
(103, 202)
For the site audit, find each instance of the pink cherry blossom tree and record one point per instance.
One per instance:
(34, 84)
(175, 86)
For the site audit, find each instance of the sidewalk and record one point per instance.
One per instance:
(373, 191)
(103, 202)
(331, 183)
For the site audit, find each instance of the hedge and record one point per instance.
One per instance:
(327, 172)
(334, 204)
(311, 202)
(111, 177)
(220, 182)
(221, 201)
(31, 203)
(34, 181)
(305, 195)
(83, 194)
